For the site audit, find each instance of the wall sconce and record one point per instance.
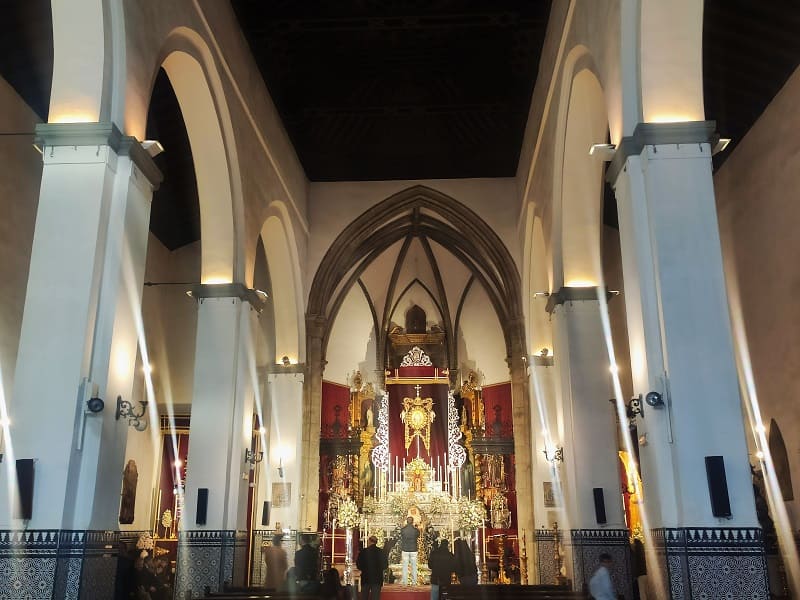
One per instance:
(634, 408)
(603, 151)
(127, 410)
(253, 457)
(280, 467)
(554, 455)
(544, 358)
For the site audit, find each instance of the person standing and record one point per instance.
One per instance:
(466, 569)
(442, 564)
(409, 540)
(306, 564)
(600, 585)
(372, 563)
(276, 561)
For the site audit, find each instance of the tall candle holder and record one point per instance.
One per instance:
(523, 560)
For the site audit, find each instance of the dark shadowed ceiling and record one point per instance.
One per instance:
(404, 89)
(410, 88)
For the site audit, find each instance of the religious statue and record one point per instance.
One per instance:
(130, 478)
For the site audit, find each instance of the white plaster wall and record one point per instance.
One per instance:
(759, 208)
(332, 206)
(351, 339)
(480, 339)
(20, 175)
(170, 321)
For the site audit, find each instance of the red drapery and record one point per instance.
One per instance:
(497, 408)
(438, 436)
(335, 410)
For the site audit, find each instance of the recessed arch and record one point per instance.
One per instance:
(280, 247)
(578, 209)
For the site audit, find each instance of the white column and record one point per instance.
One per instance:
(678, 325)
(590, 443)
(81, 310)
(222, 408)
(285, 449)
(544, 428)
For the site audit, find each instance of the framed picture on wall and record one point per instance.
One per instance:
(549, 496)
(281, 494)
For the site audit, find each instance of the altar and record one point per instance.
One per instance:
(409, 450)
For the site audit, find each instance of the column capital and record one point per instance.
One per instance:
(99, 134)
(575, 294)
(256, 298)
(653, 134)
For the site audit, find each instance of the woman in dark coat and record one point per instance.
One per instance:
(466, 569)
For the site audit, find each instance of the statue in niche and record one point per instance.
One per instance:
(468, 479)
(130, 477)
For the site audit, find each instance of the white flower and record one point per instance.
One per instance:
(471, 514)
(348, 514)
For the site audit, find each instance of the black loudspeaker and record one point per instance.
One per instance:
(25, 481)
(265, 514)
(202, 506)
(599, 506)
(718, 486)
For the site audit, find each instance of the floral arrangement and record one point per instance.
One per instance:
(348, 514)
(400, 504)
(369, 505)
(438, 505)
(145, 541)
(471, 514)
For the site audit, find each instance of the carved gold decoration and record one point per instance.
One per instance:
(417, 417)
(417, 474)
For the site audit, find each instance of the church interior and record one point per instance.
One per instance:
(292, 273)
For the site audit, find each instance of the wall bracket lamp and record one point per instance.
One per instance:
(136, 417)
(554, 455)
(253, 457)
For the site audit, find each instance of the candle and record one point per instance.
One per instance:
(333, 542)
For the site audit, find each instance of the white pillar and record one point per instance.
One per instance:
(285, 449)
(679, 326)
(222, 411)
(681, 347)
(81, 310)
(590, 446)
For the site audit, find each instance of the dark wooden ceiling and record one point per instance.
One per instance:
(401, 89)
(411, 89)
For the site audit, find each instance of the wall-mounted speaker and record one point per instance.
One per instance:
(718, 486)
(25, 481)
(599, 506)
(202, 506)
(265, 514)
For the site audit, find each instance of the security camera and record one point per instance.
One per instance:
(95, 405)
(654, 399)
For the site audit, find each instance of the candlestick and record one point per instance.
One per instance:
(333, 542)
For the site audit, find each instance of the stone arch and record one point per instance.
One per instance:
(671, 61)
(577, 207)
(189, 65)
(280, 248)
(81, 81)
(426, 212)
(438, 217)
